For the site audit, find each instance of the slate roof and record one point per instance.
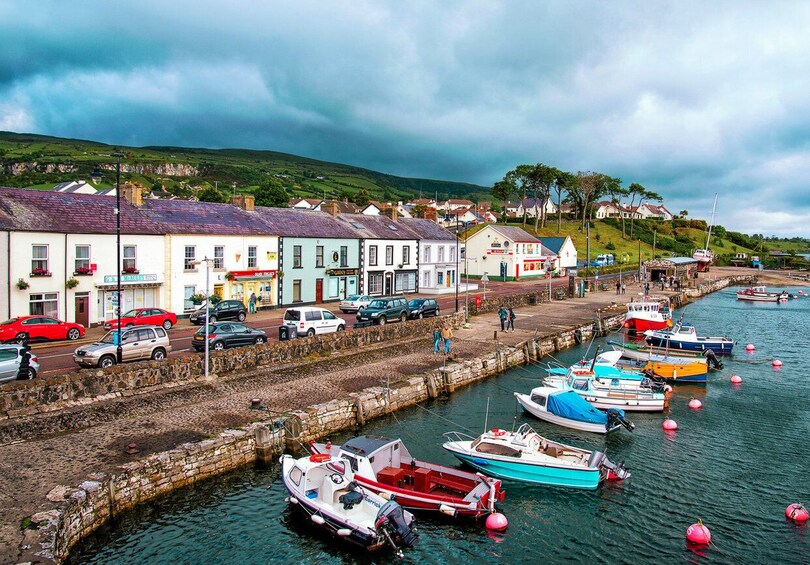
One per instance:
(191, 217)
(58, 212)
(377, 227)
(292, 222)
(428, 229)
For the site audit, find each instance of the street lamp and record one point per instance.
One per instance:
(457, 251)
(118, 350)
(467, 285)
(207, 262)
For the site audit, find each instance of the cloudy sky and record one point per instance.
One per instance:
(686, 98)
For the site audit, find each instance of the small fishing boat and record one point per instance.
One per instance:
(384, 466)
(644, 353)
(629, 393)
(568, 409)
(649, 313)
(322, 488)
(760, 294)
(684, 337)
(527, 456)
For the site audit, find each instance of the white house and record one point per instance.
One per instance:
(507, 252)
(438, 250)
(306, 203)
(607, 209)
(456, 204)
(652, 211)
(534, 207)
(565, 251)
(74, 187)
(372, 209)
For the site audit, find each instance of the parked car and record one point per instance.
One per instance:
(354, 303)
(421, 307)
(137, 343)
(228, 334)
(222, 310)
(311, 320)
(384, 310)
(10, 357)
(39, 327)
(144, 317)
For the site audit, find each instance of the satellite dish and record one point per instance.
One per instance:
(506, 244)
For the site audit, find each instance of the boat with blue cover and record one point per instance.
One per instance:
(568, 409)
(684, 337)
(527, 456)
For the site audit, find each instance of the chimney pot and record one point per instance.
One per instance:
(246, 202)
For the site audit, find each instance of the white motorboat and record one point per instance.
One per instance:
(629, 394)
(568, 409)
(760, 294)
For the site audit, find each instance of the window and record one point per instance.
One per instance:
(344, 256)
(426, 254)
(39, 259)
(128, 255)
(389, 254)
(190, 258)
(219, 257)
(297, 290)
(319, 256)
(375, 283)
(406, 255)
(297, 257)
(441, 254)
(439, 278)
(452, 254)
(312, 316)
(252, 257)
(44, 304)
(426, 279)
(188, 291)
(82, 259)
(405, 282)
(372, 255)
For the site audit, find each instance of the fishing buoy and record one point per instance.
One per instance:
(736, 379)
(797, 512)
(497, 522)
(695, 404)
(750, 347)
(699, 534)
(776, 363)
(669, 425)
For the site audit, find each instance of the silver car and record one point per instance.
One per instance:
(10, 357)
(137, 343)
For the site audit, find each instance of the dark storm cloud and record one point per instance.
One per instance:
(687, 99)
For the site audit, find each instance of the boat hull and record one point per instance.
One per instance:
(679, 372)
(587, 479)
(628, 404)
(719, 347)
(538, 412)
(640, 325)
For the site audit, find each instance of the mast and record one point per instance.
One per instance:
(711, 224)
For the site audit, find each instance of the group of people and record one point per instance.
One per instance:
(442, 334)
(621, 288)
(507, 316)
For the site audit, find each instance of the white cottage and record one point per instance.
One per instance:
(506, 252)
(438, 251)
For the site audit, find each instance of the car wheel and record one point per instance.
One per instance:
(421, 315)
(212, 320)
(167, 325)
(382, 321)
(259, 340)
(32, 374)
(106, 362)
(20, 336)
(73, 334)
(404, 316)
(159, 354)
(437, 312)
(310, 332)
(241, 317)
(218, 346)
(341, 328)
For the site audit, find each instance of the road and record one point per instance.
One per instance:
(57, 357)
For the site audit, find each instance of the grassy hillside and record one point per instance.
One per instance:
(228, 169)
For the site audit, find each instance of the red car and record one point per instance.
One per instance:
(144, 317)
(39, 327)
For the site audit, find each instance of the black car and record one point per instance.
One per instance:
(421, 307)
(223, 310)
(228, 334)
(383, 310)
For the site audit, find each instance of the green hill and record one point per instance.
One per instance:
(30, 160)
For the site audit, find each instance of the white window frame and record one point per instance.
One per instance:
(40, 262)
(426, 253)
(389, 254)
(81, 262)
(375, 283)
(219, 256)
(372, 255)
(253, 256)
(440, 258)
(406, 255)
(128, 261)
(45, 299)
(189, 261)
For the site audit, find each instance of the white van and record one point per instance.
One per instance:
(310, 320)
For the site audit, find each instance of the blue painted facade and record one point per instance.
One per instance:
(318, 270)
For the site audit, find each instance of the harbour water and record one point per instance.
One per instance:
(737, 464)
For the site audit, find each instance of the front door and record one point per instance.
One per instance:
(342, 288)
(389, 279)
(318, 291)
(82, 315)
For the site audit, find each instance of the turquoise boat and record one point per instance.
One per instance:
(527, 456)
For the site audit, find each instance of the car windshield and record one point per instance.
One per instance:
(377, 304)
(292, 315)
(353, 298)
(415, 303)
(130, 314)
(9, 322)
(110, 337)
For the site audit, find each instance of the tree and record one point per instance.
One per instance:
(588, 187)
(418, 211)
(503, 190)
(210, 194)
(683, 213)
(542, 178)
(272, 193)
(614, 190)
(562, 183)
(361, 197)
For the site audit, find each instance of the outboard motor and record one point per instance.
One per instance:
(712, 359)
(392, 524)
(616, 416)
(608, 469)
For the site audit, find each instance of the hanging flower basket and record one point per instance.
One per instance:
(71, 283)
(229, 276)
(22, 285)
(197, 298)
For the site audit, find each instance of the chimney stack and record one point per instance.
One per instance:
(246, 202)
(331, 208)
(430, 214)
(391, 213)
(133, 193)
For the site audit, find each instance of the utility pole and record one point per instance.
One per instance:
(119, 352)
(457, 252)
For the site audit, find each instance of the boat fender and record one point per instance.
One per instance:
(344, 532)
(479, 461)
(319, 457)
(318, 519)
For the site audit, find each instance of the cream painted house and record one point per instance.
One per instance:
(506, 252)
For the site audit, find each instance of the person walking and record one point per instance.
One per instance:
(646, 288)
(618, 287)
(512, 317)
(447, 335)
(503, 314)
(437, 338)
(624, 288)
(252, 302)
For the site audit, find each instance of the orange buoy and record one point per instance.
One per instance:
(736, 379)
(699, 534)
(669, 425)
(497, 522)
(319, 457)
(695, 404)
(797, 512)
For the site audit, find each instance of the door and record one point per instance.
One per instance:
(82, 315)
(342, 288)
(330, 322)
(318, 291)
(389, 279)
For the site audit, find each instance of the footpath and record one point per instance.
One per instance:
(31, 468)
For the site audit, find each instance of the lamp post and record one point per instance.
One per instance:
(457, 251)
(118, 350)
(467, 286)
(207, 262)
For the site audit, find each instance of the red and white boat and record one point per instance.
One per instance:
(650, 313)
(385, 467)
(760, 294)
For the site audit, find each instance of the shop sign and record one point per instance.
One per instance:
(130, 278)
(342, 272)
(254, 274)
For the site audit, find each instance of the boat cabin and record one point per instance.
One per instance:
(369, 456)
